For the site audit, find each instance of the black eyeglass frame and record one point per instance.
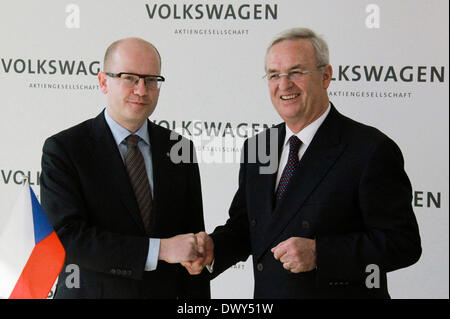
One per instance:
(158, 78)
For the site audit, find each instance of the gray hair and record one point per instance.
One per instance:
(319, 44)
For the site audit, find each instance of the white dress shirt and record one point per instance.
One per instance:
(306, 135)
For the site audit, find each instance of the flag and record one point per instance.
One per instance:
(31, 255)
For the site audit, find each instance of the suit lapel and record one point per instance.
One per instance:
(160, 150)
(320, 156)
(264, 182)
(108, 159)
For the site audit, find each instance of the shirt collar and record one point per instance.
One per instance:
(306, 135)
(120, 133)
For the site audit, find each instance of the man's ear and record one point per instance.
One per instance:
(327, 75)
(102, 80)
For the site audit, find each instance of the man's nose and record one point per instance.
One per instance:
(285, 82)
(140, 88)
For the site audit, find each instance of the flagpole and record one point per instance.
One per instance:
(24, 180)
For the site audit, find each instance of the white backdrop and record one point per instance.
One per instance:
(390, 61)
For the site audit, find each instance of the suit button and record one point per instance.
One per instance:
(253, 222)
(260, 267)
(305, 224)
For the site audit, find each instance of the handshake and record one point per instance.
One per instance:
(193, 251)
(196, 251)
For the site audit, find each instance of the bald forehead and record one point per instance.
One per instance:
(129, 44)
(135, 43)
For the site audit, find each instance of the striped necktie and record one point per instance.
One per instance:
(134, 162)
(289, 169)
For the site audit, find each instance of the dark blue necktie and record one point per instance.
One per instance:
(289, 169)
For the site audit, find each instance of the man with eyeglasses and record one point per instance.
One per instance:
(336, 215)
(125, 213)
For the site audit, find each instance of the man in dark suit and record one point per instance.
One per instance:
(125, 212)
(335, 214)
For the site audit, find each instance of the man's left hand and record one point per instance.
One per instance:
(297, 254)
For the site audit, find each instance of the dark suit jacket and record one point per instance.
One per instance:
(86, 193)
(350, 193)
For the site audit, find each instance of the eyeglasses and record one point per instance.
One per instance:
(130, 80)
(294, 75)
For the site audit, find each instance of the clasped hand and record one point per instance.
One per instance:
(297, 254)
(193, 251)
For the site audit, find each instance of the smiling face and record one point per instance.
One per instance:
(130, 107)
(301, 99)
